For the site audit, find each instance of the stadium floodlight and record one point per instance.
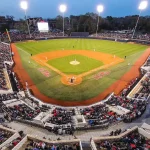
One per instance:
(143, 5)
(63, 9)
(100, 9)
(24, 6)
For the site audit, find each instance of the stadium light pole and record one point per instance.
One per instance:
(62, 9)
(24, 6)
(100, 9)
(143, 5)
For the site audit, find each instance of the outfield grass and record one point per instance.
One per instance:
(115, 48)
(86, 64)
(90, 87)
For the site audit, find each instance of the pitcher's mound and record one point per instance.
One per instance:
(71, 80)
(74, 62)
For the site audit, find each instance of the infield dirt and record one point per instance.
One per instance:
(107, 59)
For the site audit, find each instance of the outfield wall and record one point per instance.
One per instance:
(99, 38)
(71, 37)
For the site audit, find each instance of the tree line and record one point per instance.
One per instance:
(87, 23)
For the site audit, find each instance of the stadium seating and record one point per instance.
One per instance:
(61, 116)
(34, 35)
(5, 53)
(9, 96)
(136, 107)
(122, 36)
(147, 62)
(100, 115)
(4, 135)
(145, 90)
(22, 111)
(42, 145)
(129, 140)
(35, 143)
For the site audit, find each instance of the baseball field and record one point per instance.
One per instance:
(94, 65)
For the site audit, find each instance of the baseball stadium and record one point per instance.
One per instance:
(74, 77)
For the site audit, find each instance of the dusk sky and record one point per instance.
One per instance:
(49, 8)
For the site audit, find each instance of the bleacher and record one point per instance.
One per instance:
(142, 90)
(7, 136)
(31, 143)
(133, 138)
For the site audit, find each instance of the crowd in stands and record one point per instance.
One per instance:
(5, 53)
(47, 35)
(112, 35)
(40, 145)
(1, 104)
(100, 115)
(45, 108)
(145, 90)
(35, 35)
(63, 129)
(22, 111)
(61, 116)
(136, 107)
(122, 36)
(14, 143)
(129, 87)
(62, 120)
(9, 96)
(147, 62)
(132, 141)
(16, 36)
(6, 68)
(115, 133)
(2, 120)
(33, 143)
(13, 76)
(4, 135)
(143, 37)
(3, 83)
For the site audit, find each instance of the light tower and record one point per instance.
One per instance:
(100, 9)
(24, 6)
(142, 6)
(62, 9)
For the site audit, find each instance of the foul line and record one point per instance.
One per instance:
(99, 68)
(23, 50)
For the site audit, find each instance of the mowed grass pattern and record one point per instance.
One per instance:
(86, 64)
(90, 87)
(110, 47)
